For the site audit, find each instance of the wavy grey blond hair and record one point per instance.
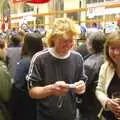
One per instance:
(61, 26)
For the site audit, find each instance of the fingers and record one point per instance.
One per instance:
(60, 88)
(61, 84)
(114, 106)
(80, 87)
(111, 104)
(117, 115)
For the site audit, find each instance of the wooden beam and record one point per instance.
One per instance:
(19, 17)
(112, 5)
(59, 12)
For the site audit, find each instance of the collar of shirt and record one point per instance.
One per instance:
(54, 54)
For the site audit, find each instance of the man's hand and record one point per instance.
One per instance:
(60, 88)
(80, 87)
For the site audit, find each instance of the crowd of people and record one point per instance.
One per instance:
(55, 80)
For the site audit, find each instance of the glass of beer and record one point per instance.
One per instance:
(116, 95)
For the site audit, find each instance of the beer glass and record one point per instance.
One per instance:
(116, 95)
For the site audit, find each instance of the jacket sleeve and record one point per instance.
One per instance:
(100, 89)
(20, 74)
(81, 70)
(5, 84)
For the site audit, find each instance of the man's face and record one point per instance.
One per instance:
(63, 44)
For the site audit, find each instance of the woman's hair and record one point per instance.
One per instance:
(15, 39)
(32, 44)
(61, 26)
(112, 37)
(97, 40)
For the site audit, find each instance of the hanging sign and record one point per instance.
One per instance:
(36, 1)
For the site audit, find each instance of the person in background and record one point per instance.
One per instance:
(23, 106)
(89, 107)
(82, 48)
(21, 34)
(109, 78)
(92, 29)
(13, 31)
(5, 85)
(56, 75)
(42, 30)
(13, 53)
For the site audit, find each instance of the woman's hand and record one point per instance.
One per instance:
(114, 106)
(116, 110)
(80, 87)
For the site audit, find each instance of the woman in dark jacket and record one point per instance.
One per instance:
(23, 105)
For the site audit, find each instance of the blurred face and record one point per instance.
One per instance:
(88, 45)
(114, 52)
(63, 45)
